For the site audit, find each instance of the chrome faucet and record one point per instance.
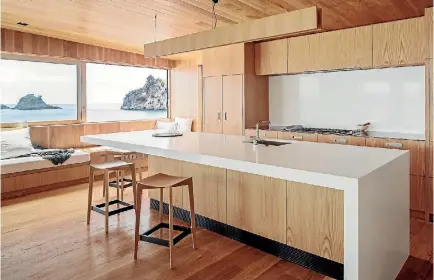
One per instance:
(257, 130)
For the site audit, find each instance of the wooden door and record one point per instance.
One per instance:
(343, 140)
(212, 104)
(233, 104)
(310, 137)
(271, 57)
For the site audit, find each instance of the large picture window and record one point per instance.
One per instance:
(34, 91)
(116, 93)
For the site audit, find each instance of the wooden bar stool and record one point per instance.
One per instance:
(162, 181)
(121, 181)
(112, 166)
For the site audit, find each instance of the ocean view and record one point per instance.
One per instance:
(95, 113)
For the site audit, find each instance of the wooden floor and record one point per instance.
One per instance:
(45, 236)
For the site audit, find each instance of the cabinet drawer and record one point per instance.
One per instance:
(417, 151)
(311, 137)
(343, 140)
(262, 133)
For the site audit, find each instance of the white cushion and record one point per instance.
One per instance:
(184, 125)
(165, 126)
(14, 165)
(15, 143)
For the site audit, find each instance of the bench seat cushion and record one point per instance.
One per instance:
(15, 165)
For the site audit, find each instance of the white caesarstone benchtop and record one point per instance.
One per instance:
(329, 165)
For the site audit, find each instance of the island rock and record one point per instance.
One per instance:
(33, 102)
(2, 106)
(152, 96)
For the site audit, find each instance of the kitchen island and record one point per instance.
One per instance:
(339, 210)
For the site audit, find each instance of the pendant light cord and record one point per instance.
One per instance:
(214, 25)
(155, 28)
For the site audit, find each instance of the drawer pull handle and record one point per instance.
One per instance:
(297, 137)
(340, 140)
(394, 145)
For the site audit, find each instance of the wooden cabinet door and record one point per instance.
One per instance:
(212, 104)
(233, 104)
(418, 193)
(403, 42)
(417, 151)
(310, 137)
(271, 57)
(349, 48)
(343, 140)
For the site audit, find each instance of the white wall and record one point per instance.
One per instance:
(392, 99)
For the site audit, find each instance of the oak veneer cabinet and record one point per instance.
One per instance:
(348, 48)
(271, 57)
(403, 42)
(257, 204)
(268, 134)
(310, 137)
(417, 151)
(322, 233)
(343, 140)
(227, 60)
(223, 104)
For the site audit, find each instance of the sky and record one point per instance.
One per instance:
(57, 82)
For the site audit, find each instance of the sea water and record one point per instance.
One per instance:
(95, 113)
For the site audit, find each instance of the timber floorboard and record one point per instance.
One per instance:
(45, 236)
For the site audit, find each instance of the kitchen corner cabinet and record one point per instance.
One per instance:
(271, 57)
(310, 137)
(403, 42)
(223, 104)
(348, 48)
(267, 134)
(343, 140)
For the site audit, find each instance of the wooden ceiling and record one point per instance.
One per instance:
(128, 24)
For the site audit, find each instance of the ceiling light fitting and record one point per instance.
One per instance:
(22, 23)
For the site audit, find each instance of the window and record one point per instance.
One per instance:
(116, 93)
(35, 91)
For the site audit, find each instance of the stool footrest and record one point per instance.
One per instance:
(127, 206)
(184, 232)
(127, 185)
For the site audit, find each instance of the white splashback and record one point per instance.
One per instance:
(392, 99)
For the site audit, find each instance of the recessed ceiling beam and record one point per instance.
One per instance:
(289, 24)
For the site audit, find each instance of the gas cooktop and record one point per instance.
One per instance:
(334, 131)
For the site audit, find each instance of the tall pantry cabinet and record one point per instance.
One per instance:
(233, 96)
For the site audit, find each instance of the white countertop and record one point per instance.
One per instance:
(331, 165)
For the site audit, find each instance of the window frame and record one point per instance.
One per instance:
(81, 85)
(81, 94)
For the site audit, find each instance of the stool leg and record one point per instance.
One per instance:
(192, 214)
(140, 173)
(89, 198)
(161, 211)
(134, 182)
(122, 185)
(170, 227)
(117, 184)
(106, 182)
(138, 208)
(103, 189)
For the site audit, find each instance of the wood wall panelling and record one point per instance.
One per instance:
(429, 19)
(257, 204)
(418, 193)
(209, 190)
(25, 43)
(400, 43)
(271, 57)
(349, 48)
(311, 137)
(417, 150)
(232, 88)
(227, 60)
(315, 220)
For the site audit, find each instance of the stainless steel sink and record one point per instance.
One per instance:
(265, 142)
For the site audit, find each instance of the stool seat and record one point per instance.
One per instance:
(111, 165)
(161, 181)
